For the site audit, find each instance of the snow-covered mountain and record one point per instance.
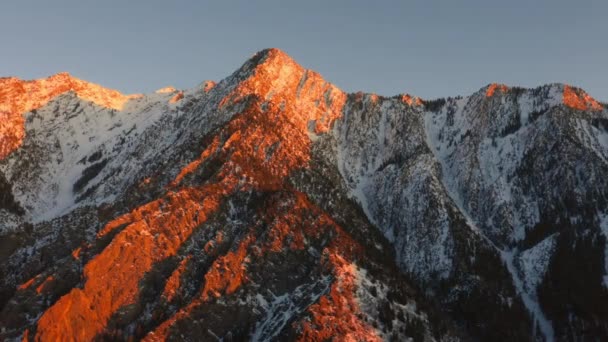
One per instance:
(273, 206)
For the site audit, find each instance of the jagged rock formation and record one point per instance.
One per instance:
(274, 206)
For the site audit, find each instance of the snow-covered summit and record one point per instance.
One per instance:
(315, 212)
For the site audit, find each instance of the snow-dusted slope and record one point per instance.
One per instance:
(272, 205)
(76, 152)
(182, 214)
(63, 139)
(506, 165)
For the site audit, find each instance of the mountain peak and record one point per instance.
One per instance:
(570, 96)
(579, 99)
(272, 76)
(272, 58)
(166, 90)
(208, 85)
(276, 198)
(19, 96)
(61, 75)
(271, 55)
(492, 88)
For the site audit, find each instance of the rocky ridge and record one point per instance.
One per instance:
(272, 205)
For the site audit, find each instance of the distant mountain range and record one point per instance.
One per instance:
(274, 206)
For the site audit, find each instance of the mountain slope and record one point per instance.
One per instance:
(195, 213)
(272, 205)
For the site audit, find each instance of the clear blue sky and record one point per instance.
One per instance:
(427, 48)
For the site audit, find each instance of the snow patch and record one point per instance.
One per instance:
(280, 310)
(9, 222)
(533, 263)
(530, 301)
(595, 139)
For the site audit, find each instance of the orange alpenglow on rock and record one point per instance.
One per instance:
(208, 85)
(41, 287)
(177, 97)
(263, 145)
(76, 253)
(166, 90)
(225, 276)
(212, 244)
(18, 97)
(280, 80)
(114, 274)
(28, 283)
(174, 282)
(578, 99)
(26, 335)
(494, 87)
(336, 313)
(259, 148)
(227, 272)
(411, 100)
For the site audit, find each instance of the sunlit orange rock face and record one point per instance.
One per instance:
(228, 272)
(225, 276)
(166, 90)
(174, 281)
(42, 286)
(18, 97)
(578, 99)
(208, 85)
(283, 82)
(337, 313)
(37, 282)
(496, 87)
(156, 232)
(259, 149)
(177, 97)
(411, 100)
(290, 223)
(28, 283)
(76, 253)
